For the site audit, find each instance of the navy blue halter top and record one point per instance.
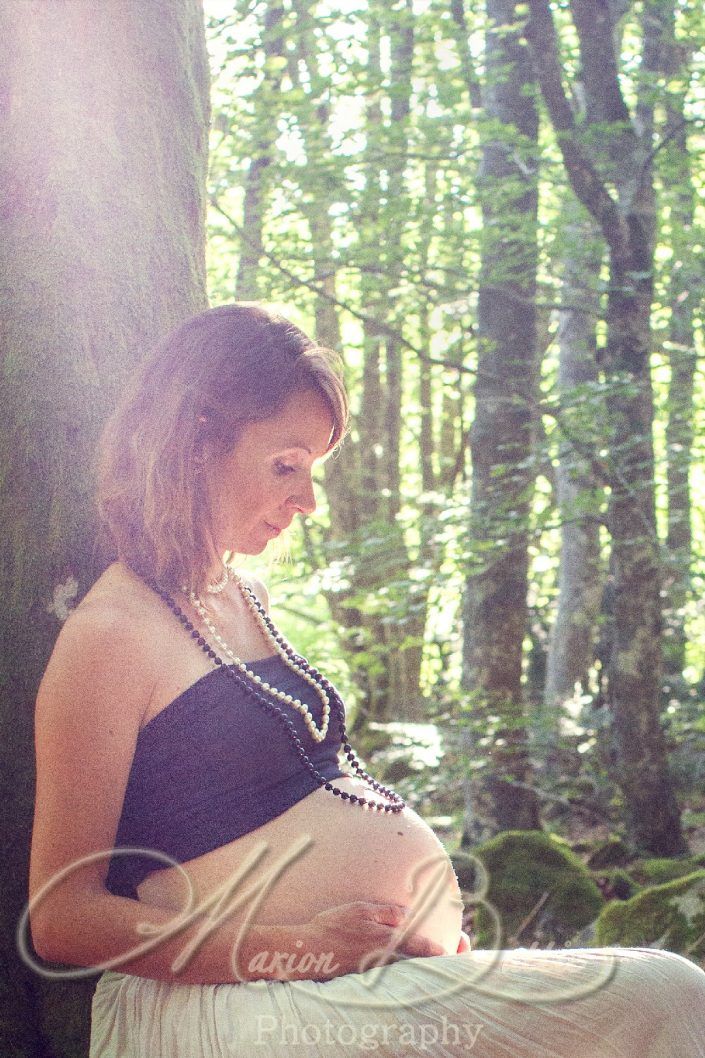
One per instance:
(211, 766)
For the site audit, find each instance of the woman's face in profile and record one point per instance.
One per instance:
(258, 487)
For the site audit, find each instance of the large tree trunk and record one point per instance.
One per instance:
(495, 612)
(104, 128)
(634, 681)
(652, 814)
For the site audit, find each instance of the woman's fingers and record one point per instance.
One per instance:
(362, 914)
(415, 944)
(389, 914)
(385, 914)
(390, 919)
(364, 934)
(393, 916)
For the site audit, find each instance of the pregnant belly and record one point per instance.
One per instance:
(322, 853)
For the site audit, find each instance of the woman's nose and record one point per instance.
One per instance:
(304, 499)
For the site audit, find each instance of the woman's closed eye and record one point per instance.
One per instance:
(283, 468)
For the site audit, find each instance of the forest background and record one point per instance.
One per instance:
(495, 213)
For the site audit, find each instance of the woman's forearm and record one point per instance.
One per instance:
(96, 929)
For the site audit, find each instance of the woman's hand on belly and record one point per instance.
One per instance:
(347, 939)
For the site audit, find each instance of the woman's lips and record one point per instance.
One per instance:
(273, 529)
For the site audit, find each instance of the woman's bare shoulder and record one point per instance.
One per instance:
(118, 604)
(114, 630)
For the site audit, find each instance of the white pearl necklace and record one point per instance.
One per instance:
(318, 734)
(216, 586)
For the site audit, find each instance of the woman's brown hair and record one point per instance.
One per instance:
(209, 377)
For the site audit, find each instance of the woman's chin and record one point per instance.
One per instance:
(257, 543)
(251, 546)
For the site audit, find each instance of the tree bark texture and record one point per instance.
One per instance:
(104, 123)
(495, 610)
(570, 652)
(685, 288)
(627, 223)
(578, 493)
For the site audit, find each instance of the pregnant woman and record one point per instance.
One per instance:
(204, 832)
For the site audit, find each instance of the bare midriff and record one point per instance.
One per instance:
(325, 852)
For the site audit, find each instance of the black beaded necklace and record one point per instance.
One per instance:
(260, 697)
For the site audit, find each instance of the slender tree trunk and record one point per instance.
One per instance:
(452, 440)
(495, 613)
(104, 130)
(572, 635)
(685, 279)
(264, 133)
(651, 810)
(636, 667)
(408, 670)
(403, 634)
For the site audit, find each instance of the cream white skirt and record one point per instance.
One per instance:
(523, 1003)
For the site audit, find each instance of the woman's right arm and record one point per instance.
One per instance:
(90, 704)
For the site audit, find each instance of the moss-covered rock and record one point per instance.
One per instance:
(670, 916)
(538, 887)
(659, 871)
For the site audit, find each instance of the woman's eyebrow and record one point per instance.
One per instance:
(295, 444)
